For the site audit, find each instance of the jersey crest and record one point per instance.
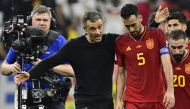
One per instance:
(150, 43)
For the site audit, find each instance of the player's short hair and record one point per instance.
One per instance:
(41, 9)
(176, 35)
(177, 15)
(128, 10)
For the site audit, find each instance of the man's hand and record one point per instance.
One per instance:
(21, 77)
(169, 99)
(161, 14)
(15, 68)
(119, 104)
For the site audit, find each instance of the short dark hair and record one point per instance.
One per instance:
(177, 15)
(129, 9)
(41, 9)
(92, 16)
(178, 34)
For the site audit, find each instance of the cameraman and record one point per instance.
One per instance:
(41, 17)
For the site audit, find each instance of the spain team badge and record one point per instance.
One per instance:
(187, 68)
(150, 43)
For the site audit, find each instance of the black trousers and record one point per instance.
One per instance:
(95, 105)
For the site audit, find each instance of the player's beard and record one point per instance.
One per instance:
(137, 37)
(137, 34)
(178, 57)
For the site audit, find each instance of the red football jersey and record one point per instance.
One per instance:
(188, 45)
(182, 83)
(142, 60)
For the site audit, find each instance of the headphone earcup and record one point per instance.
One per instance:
(53, 23)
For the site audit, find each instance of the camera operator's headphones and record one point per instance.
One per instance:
(53, 22)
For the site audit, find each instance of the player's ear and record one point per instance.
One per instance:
(85, 27)
(184, 27)
(140, 17)
(187, 40)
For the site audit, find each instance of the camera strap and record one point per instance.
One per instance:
(49, 38)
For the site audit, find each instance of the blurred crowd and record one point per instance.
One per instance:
(68, 13)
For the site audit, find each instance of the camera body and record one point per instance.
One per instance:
(14, 29)
(58, 91)
(25, 40)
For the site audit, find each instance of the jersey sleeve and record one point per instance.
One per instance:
(162, 39)
(163, 46)
(119, 55)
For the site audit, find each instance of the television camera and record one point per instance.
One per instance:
(29, 43)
